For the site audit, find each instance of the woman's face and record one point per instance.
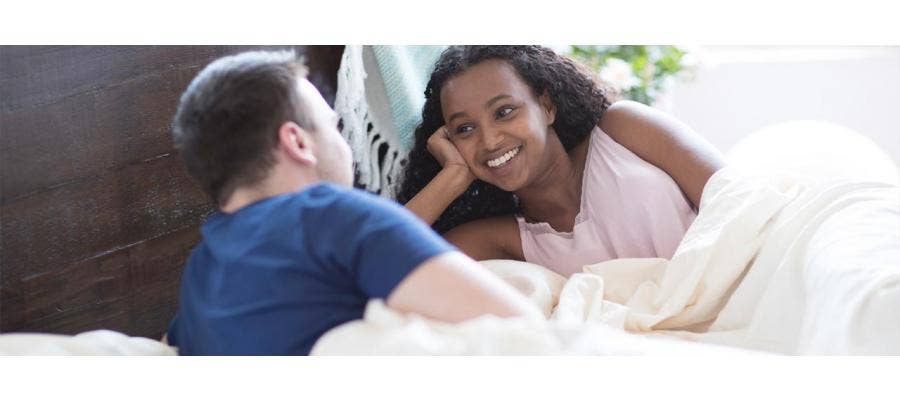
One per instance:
(498, 125)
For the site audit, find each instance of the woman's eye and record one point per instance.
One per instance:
(504, 111)
(463, 129)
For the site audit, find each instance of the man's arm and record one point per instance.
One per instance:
(391, 254)
(452, 287)
(665, 142)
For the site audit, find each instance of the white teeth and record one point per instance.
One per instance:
(500, 161)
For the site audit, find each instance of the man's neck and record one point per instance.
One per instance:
(273, 186)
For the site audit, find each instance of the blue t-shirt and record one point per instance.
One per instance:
(274, 276)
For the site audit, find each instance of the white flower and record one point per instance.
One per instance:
(648, 71)
(617, 72)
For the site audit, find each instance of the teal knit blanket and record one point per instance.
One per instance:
(405, 71)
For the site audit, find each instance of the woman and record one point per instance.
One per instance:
(520, 155)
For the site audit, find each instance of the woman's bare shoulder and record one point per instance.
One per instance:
(664, 141)
(623, 115)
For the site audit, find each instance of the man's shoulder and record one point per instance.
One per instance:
(338, 201)
(326, 196)
(353, 197)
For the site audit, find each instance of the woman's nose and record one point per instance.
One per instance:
(492, 138)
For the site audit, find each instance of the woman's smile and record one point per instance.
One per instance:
(503, 159)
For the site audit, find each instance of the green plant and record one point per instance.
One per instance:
(639, 73)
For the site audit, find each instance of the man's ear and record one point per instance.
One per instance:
(548, 107)
(297, 143)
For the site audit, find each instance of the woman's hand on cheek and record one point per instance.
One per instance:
(443, 149)
(449, 157)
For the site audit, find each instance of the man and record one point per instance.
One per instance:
(293, 250)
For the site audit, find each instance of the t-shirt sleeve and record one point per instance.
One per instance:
(382, 242)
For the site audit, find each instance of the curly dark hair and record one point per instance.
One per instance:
(579, 98)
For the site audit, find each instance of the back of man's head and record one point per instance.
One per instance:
(226, 127)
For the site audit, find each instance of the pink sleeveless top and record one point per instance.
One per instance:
(629, 209)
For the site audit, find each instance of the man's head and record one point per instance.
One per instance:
(247, 115)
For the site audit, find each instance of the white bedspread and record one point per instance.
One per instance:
(93, 343)
(774, 263)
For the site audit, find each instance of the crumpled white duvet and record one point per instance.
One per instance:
(774, 263)
(98, 342)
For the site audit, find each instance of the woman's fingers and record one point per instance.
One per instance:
(443, 149)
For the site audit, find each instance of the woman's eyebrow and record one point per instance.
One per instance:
(486, 105)
(495, 99)
(456, 115)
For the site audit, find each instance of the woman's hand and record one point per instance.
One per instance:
(443, 149)
(447, 185)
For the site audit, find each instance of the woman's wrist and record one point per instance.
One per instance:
(458, 178)
(451, 182)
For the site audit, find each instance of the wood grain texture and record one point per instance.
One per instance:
(97, 214)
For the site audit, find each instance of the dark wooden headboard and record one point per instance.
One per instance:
(98, 215)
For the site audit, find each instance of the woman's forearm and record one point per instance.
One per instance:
(446, 186)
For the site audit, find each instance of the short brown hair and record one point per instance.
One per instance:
(227, 121)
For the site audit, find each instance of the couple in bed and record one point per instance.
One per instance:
(519, 155)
